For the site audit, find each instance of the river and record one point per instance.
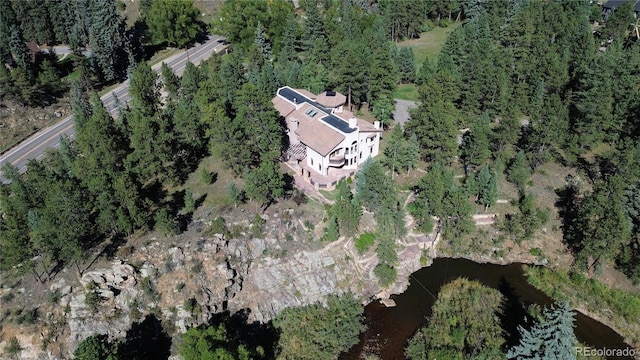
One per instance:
(389, 328)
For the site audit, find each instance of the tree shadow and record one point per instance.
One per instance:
(146, 340)
(567, 210)
(251, 335)
(513, 315)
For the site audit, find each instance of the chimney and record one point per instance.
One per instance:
(353, 122)
(376, 124)
(295, 101)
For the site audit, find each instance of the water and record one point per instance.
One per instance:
(389, 328)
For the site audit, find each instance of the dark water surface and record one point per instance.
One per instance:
(389, 328)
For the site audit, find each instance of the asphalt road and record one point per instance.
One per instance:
(36, 145)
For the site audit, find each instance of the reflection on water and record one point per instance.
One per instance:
(389, 328)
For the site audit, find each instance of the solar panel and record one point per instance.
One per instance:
(330, 119)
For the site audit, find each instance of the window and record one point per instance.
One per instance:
(311, 161)
(370, 150)
(319, 167)
(360, 154)
(346, 151)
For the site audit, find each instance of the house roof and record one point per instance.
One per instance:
(366, 126)
(295, 97)
(283, 106)
(306, 93)
(614, 4)
(331, 99)
(312, 132)
(363, 125)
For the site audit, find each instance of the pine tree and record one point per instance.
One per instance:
(346, 210)
(410, 153)
(289, 41)
(552, 338)
(108, 40)
(264, 184)
(261, 43)
(394, 149)
(406, 64)
(434, 126)
(170, 81)
(519, 171)
(475, 143)
(488, 187)
(235, 194)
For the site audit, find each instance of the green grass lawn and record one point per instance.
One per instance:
(406, 92)
(428, 46)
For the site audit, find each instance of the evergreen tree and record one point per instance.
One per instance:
(170, 81)
(434, 126)
(289, 41)
(262, 44)
(410, 153)
(394, 149)
(475, 143)
(16, 199)
(264, 184)
(235, 194)
(551, 338)
(487, 187)
(601, 226)
(108, 40)
(519, 171)
(144, 91)
(346, 210)
(406, 64)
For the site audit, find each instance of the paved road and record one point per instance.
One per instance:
(35, 146)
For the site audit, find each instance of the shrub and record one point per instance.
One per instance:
(92, 299)
(219, 226)
(207, 177)
(149, 289)
(364, 242)
(13, 348)
(165, 223)
(7, 297)
(386, 274)
(189, 201)
(535, 252)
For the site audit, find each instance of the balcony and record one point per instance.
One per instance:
(336, 161)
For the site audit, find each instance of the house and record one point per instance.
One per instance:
(611, 5)
(325, 138)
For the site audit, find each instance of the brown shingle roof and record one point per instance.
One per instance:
(331, 99)
(313, 132)
(306, 93)
(283, 106)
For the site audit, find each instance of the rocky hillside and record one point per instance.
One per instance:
(184, 280)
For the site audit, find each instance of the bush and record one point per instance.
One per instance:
(207, 177)
(92, 299)
(444, 23)
(13, 348)
(165, 223)
(189, 201)
(149, 289)
(219, 226)
(364, 242)
(386, 274)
